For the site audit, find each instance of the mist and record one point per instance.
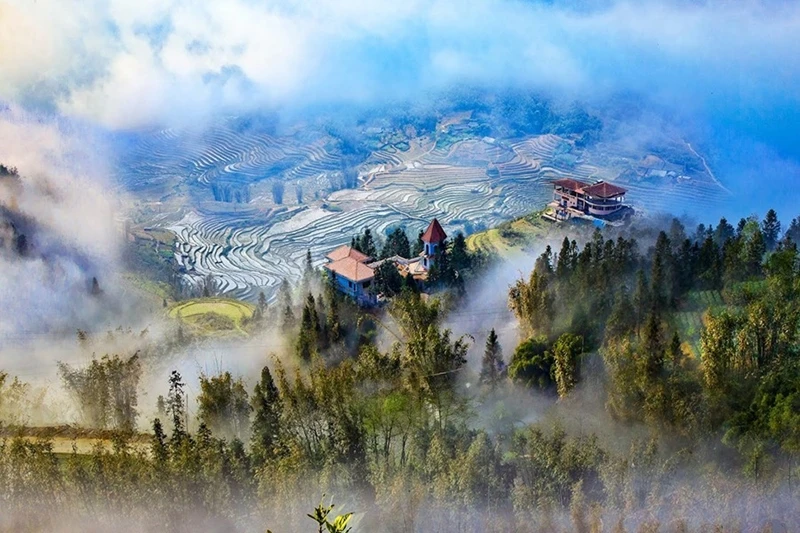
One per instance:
(727, 73)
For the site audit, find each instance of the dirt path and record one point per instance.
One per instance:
(708, 169)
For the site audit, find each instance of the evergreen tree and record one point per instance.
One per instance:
(793, 232)
(460, 258)
(267, 408)
(492, 362)
(332, 321)
(565, 261)
(396, 244)
(308, 272)
(176, 405)
(309, 330)
(223, 405)
(723, 232)
(366, 244)
(771, 230)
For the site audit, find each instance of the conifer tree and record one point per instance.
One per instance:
(492, 362)
(176, 405)
(309, 330)
(771, 229)
(267, 408)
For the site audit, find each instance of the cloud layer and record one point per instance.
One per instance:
(126, 63)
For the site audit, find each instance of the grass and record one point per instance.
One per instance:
(510, 238)
(213, 315)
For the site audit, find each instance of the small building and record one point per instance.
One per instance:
(352, 274)
(574, 197)
(432, 240)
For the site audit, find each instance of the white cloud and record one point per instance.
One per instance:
(129, 62)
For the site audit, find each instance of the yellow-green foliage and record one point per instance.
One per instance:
(210, 315)
(510, 238)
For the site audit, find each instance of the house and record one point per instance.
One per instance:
(354, 273)
(573, 197)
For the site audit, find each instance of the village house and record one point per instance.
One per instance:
(354, 272)
(572, 197)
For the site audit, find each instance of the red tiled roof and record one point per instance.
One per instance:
(351, 269)
(434, 233)
(347, 251)
(604, 190)
(571, 184)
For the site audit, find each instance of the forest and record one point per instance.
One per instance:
(609, 415)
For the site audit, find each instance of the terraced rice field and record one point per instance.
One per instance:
(213, 189)
(207, 314)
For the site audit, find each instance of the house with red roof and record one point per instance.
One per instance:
(353, 272)
(574, 197)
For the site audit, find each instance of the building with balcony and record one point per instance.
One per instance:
(574, 197)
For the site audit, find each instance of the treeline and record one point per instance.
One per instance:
(613, 298)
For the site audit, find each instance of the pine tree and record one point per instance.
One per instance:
(793, 233)
(771, 228)
(723, 232)
(492, 363)
(176, 405)
(309, 330)
(332, 322)
(308, 272)
(267, 408)
(564, 265)
(367, 244)
(460, 258)
(652, 348)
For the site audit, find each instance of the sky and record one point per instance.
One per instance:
(731, 69)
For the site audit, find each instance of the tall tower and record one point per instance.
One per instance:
(432, 240)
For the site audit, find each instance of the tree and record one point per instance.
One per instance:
(793, 232)
(298, 192)
(460, 258)
(396, 244)
(262, 304)
(285, 303)
(106, 390)
(566, 353)
(366, 244)
(492, 362)
(277, 191)
(771, 229)
(723, 232)
(388, 279)
(176, 405)
(267, 408)
(306, 344)
(532, 364)
(308, 272)
(332, 321)
(223, 405)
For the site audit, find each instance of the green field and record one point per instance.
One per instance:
(510, 238)
(213, 315)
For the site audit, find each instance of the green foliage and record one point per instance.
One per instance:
(105, 390)
(532, 364)
(223, 405)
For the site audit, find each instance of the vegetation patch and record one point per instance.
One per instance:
(211, 315)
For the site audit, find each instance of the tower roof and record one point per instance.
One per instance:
(434, 233)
